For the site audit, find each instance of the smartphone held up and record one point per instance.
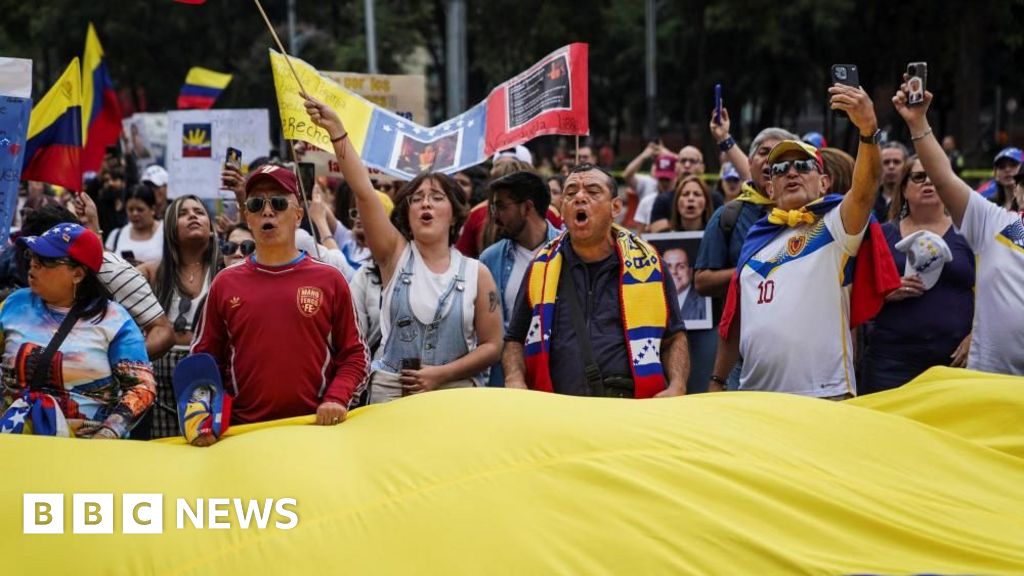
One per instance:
(847, 75)
(917, 82)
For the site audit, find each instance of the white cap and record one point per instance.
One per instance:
(519, 153)
(927, 253)
(156, 175)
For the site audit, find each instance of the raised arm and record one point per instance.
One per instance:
(954, 192)
(629, 175)
(867, 171)
(720, 132)
(384, 240)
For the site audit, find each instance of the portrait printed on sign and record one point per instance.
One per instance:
(541, 89)
(678, 252)
(412, 155)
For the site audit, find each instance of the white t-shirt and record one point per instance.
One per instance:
(997, 238)
(145, 250)
(644, 209)
(426, 289)
(523, 256)
(795, 312)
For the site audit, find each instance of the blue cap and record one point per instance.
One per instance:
(815, 139)
(729, 172)
(67, 240)
(1010, 153)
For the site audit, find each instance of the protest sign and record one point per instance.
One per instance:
(14, 115)
(549, 98)
(403, 94)
(16, 77)
(197, 141)
(145, 136)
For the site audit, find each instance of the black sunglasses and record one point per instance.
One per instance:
(256, 203)
(802, 167)
(918, 177)
(181, 323)
(246, 246)
(46, 262)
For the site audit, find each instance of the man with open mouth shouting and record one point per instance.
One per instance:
(596, 314)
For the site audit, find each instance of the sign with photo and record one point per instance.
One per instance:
(678, 252)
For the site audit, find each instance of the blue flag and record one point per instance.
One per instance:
(14, 114)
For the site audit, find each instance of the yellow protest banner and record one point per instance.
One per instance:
(354, 111)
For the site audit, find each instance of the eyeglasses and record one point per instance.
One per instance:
(181, 323)
(45, 262)
(246, 246)
(353, 213)
(256, 203)
(435, 198)
(918, 177)
(802, 167)
(689, 160)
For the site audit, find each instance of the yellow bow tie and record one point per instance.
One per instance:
(790, 218)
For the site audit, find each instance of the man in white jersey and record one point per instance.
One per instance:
(792, 325)
(994, 234)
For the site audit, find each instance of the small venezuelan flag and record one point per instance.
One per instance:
(101, 112)
(53, 152)
(202, 87)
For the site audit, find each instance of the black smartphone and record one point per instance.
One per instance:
(845, 74)
(307, 176)
(718, 104)
(128, 255)
(410, 363)
(917, 82)
(233, 158)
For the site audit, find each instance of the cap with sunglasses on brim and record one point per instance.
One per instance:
(796, 146)
(70, 241)
(283, 177)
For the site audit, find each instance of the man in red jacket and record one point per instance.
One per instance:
(281, 325)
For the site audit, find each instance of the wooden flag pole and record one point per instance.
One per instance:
(577, 143)
(280, 46)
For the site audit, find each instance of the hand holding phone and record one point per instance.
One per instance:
(718, 104)
(846, 74)
(917, 79)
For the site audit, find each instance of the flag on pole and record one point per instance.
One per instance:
(53, 152)
(101, 112)
(201, 89)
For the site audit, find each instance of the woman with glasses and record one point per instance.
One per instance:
(239, 244)
(74, 362)
(440, 317)
(927, 321)
(141, 239)
(180, 281)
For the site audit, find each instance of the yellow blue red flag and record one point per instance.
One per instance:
(101, 112)
(53, 152)
(202, 88)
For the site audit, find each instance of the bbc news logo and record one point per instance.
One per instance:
(144, 513)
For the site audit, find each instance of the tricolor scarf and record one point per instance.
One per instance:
(644, 310)
(35, 412)
(873, 270)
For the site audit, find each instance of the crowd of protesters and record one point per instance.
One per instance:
(828, 275)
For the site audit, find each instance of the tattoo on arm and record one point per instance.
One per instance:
(493, 297)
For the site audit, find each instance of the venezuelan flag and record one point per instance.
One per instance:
(54, 147)
(202, 87)
(101, 112)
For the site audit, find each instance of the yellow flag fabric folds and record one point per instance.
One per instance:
(515, 482)
(355, 112)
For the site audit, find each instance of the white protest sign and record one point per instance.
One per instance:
(16, 77)
(198, 139)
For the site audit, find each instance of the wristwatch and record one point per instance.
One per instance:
(873, 139)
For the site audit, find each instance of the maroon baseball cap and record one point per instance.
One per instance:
(283, 177)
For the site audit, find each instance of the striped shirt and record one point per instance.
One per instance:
(129, 288)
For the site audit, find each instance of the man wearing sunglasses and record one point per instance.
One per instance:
(280, 324)
(791, 303)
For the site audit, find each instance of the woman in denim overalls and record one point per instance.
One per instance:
(440, 309)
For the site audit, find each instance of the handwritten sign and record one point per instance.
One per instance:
(211, 132)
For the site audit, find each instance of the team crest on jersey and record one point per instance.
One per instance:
(796, 245)
(309, 299)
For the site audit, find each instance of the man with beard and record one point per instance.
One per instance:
(596, 313)
(518, 205)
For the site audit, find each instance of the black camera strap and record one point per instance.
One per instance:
(40, 377)
(591, 372)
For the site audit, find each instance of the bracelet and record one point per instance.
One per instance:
(726, 144)
(717, 379)
(916, 138)
(339, 138)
